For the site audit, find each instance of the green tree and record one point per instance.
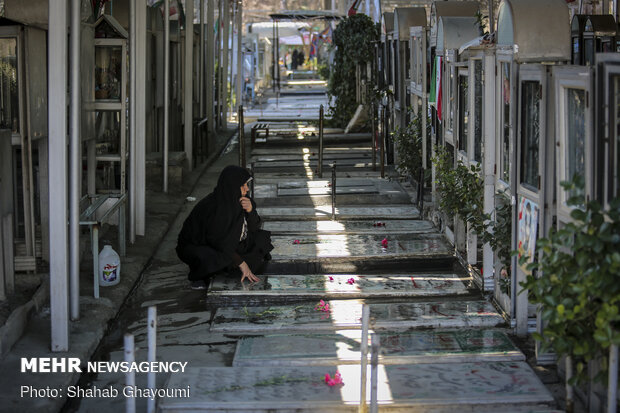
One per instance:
(354, 41)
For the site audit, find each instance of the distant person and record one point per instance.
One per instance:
(301, 58)
(295, 60)
(222, 233)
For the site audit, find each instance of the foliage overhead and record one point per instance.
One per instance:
(354, 39)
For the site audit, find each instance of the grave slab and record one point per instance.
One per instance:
(283, 288)
(490, 386)
(324, 212)
(358, 245)
(346, 314)
(419, 347)
(399, 226)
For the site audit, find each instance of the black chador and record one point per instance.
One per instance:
(219, 235)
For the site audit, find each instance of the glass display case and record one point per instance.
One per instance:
(110, 99)
(592, 34)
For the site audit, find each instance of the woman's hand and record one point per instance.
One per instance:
(246, 204)
(247, 273)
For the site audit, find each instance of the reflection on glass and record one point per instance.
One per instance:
(505, 148)
(616, 129)
(108, 74)
(588, 51)
(576, 133)
(451, 99)
(9, 112)
(530, 133)
(478, 110)
(463, 113)
(108, 127)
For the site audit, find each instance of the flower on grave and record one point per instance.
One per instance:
(296, 241)
(384, 243)
(331, 278)
(333, 381)
(379, 224)
(351, 281)
(322, 306)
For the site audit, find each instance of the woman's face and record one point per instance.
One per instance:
(244, 189)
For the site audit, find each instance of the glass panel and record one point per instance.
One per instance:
(450, 101)
(530, 133)
(9, 112)
(616, 130)
(108, 72)
(108, 127)
(505, 114)
(478, 110)
(463, 113)
(576, 133)
(576, 51)
(588, 51)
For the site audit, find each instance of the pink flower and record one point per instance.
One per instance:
(331, 278)
(322, 306)
(384, 243)
(351, 281)
(337, 379)
(296, 241)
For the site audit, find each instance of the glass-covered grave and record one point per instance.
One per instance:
(533, 39)
(591, 34)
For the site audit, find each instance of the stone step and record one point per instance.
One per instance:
(343, 212)
(418, 347)
(290, 288)
(473, 387)
(303, 228)
(346, 314)
(343, 253)
(269, 195)
(288, 247)
(344, 151)
(300, 155)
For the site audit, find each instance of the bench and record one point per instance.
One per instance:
(99, 211)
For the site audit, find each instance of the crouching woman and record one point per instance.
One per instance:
(222, 233)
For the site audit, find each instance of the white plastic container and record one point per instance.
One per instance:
(109, 267)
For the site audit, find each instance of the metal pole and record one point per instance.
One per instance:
(382, 151)
(132, 120)
(569, 389)
(188, 104)
(320, 164)
(75, 163)
(94, 230)
(152, 356)
(225, 50)
(334, 191)
(130, 376)
(138, 220)
(374, 136)
(241, 138)
(164, 164)
(252, 182)
(57, 87)
(374, 364)
(612, 389)
(233, 54)
(210, 82)
(201, 56)
(364, 357)
(239, 52)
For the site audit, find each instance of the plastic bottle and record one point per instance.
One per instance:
(109, 267)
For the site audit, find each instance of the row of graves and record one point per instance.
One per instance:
(530, 105)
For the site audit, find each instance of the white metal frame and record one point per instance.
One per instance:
(572, 77)
(504, 57)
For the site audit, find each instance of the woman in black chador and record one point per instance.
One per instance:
(222, 233)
